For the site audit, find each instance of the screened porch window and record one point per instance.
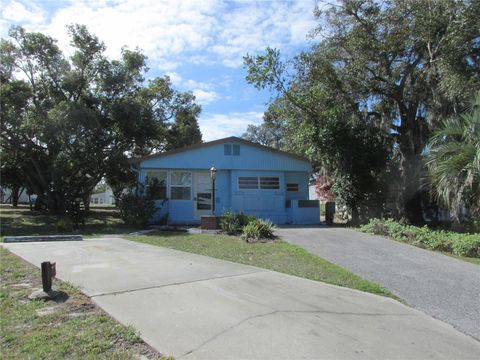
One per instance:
(181, 185)
(269, 183)
(248, 182)
(259, 182)
(292, 187)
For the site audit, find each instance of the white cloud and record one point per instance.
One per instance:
(217, 126)
(255, 25)
(170, 32)
(173, 33)
(204, 92)
(16, 12)
(204, 97)
(175, 78)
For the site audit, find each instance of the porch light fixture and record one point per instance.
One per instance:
(213, 172)
(213, 175)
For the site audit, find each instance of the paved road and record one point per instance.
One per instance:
(195, 307)
(441, 286)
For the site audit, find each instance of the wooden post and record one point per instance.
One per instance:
(48, 272)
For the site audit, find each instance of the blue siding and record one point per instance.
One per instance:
(302, 180)
(251, 161)
(222, 192)
(250, 158)
(269, 204)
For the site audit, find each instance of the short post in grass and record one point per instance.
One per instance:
(48, 272)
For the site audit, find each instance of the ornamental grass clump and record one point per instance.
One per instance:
(233, 223)
(258, 230)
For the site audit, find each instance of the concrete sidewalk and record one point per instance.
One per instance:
(195, 307)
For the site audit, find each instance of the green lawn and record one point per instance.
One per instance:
(22, 221)
(73, 329)
(274, 255)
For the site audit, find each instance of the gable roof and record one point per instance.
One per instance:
(216, 142)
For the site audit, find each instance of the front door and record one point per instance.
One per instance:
(203, 195)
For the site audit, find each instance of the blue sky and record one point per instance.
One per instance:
(199, 44)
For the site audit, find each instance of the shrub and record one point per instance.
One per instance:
(258, 230)
(251, 232)
(232, 223)
(136, 209)
(468, 245)
(229, 223)
(456, 243)
(137, 206)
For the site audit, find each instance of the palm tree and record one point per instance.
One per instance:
(453, 162)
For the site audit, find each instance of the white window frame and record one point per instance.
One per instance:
(171, 185)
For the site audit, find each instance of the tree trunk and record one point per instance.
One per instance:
(86, 201)
(411, 145)
(15, 195)
(56, 203)
(355, 215)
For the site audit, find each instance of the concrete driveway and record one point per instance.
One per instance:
(439, 285)
(195, 307)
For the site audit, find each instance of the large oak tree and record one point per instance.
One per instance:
(401, 65)
(71, 121)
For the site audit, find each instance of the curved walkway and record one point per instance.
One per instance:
(441, 286)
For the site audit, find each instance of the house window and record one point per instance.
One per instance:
(269, 183)
(236, 150)
(229, 149)
(181, 185)
(161, 177)
(248, 182)
(292, 187)
(95, 201)
(262, 182)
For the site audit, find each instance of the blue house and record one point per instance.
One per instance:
(252, 178)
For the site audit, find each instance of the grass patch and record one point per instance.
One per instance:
(75, 328)
(274, 255)
(21, 221)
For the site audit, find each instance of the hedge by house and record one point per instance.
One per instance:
(447, 241)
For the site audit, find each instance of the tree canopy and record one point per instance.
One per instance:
(400, 67)
(71, 121)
